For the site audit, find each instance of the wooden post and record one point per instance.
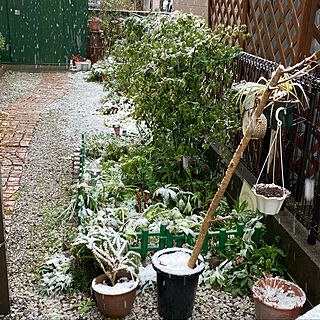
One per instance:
(232, 166)
(4, 289)
(210, 13)
(305, 34)
(244, 13)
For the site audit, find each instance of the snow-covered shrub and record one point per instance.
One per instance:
(55, 275)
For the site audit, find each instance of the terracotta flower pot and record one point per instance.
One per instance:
(115, 304)
(270, 204)
(276, 298)
(95, 25)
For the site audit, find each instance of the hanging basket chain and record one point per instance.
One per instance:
(277, 136)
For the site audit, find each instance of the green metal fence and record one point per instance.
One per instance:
(169, 240)
(43, 31)
(79, 206)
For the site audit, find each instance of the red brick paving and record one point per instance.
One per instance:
(16, 132)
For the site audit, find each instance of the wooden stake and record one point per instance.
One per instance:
(4, 289)
(233, 165)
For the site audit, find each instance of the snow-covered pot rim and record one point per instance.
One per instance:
(261, 283)
(112, 291)
(271, 185)
(200, 265)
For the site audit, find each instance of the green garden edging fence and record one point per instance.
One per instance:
(164, 238)
(169, 240)
(79, 202)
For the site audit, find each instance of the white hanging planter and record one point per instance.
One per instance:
(270, 204)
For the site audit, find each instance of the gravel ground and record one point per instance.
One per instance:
(14, 86)
(43, 186)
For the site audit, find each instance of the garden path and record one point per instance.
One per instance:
(17, 130)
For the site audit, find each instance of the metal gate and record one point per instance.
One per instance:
(43, 31)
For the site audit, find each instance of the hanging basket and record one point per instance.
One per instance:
(261, 126)
(270, 197)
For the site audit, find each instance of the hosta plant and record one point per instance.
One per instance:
(110, 251)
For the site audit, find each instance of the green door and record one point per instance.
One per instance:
(44, 31)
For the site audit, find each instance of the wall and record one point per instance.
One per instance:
(199, 7)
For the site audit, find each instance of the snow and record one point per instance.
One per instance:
(118, 288)
(175, 261)
(274, 292)
(313, 314)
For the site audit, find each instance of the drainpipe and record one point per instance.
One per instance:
(4, 289)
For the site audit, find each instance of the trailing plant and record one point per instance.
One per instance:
(173, 68)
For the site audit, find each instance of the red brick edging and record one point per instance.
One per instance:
(16, 132)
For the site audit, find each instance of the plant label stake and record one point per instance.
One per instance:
(137, 191)
(116, 129)
(271, 86)
(147, 199)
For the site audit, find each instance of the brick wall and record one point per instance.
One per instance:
(199, 7)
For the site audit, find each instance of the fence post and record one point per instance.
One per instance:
(162, 241)
(240, 229)
(169, 239)
(205, 245)
(4, 288)
(244, 13)
(144, 243)
(222, 238)
(257, 235)
(305, 33)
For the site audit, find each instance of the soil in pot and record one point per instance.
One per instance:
(176, 282)
(277, 299)
(115, 301)
(269, 191)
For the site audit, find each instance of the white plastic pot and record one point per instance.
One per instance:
(270, 205)
(85, 66)
(78, 66)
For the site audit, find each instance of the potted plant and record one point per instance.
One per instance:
(95, 24)
(276, 298)
(176, 282)
(115, 289)
(270, 197)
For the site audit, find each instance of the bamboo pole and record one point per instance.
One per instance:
(4, 289)
(232, 166)
(272, 85)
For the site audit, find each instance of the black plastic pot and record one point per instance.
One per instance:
(176, 293)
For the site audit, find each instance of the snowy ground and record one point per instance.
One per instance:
(46, 173)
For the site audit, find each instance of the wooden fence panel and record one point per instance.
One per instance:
(284, 31)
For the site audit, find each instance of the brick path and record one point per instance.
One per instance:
(16, 132)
